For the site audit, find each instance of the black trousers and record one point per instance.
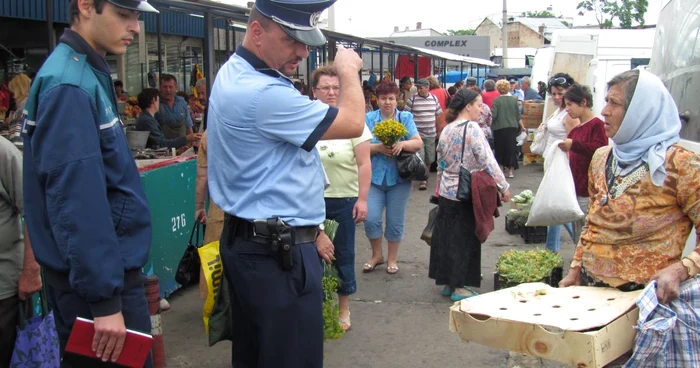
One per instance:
(9, 317)
(277, 315)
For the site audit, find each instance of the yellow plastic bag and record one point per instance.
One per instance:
(213, 272)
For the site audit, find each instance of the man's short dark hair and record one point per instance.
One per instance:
(168, 77)
(118, 83)
(74, 12)
(255, 15)
(146, 97)
(405, 80)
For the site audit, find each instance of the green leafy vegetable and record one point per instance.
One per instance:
(520, 266)
(330, 283)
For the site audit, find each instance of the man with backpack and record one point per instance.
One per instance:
(426, 112)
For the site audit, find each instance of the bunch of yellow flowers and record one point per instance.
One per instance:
(389, 131)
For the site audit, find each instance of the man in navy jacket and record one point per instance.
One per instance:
(85, 207)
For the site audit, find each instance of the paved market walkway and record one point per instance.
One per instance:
(398, 321)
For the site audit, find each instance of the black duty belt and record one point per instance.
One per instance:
(257, 231)
(273, 232)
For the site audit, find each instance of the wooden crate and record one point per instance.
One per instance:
(534, 108)
(531, 122)
(580, 326)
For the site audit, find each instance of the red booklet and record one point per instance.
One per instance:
(137, 345)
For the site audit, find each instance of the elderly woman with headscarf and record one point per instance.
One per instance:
(644, 195)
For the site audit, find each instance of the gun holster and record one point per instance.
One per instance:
(281, 240)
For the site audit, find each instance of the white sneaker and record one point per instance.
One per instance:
(164, 305)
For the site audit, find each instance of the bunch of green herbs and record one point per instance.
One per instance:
(330, 283)
(521, 266)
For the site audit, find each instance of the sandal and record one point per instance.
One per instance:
(345, 322)
(423, 185)
(368, 267)
(392, 270)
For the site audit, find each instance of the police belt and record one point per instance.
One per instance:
(258, 231)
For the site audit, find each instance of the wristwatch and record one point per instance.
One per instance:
(321, 228)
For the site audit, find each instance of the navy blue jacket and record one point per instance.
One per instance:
(85, 206)
(147, 123)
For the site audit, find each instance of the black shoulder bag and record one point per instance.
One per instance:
(464, 186)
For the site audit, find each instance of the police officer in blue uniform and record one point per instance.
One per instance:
(267, 177)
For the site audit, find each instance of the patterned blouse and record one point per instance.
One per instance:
(485, 121)
(477, 156)
(634, 228)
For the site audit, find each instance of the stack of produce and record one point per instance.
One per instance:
(330, 283)
(521, 207)
(520, 266)
(132, 109)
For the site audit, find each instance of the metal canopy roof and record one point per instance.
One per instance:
(455, 57)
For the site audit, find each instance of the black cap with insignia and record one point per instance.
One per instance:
(138, 5)
(299, 18)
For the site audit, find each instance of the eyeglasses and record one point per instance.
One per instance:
(559, 82)
(327, 89)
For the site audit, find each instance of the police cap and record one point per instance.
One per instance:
(138, 5)
(299, 18)
(471, 81)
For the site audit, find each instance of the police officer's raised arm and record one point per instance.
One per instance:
(350, 121)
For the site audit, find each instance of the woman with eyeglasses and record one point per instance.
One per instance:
(349, 169)
(558, 126)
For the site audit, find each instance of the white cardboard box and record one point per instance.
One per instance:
(581, 326)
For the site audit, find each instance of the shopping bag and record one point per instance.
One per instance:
(187, 272)
(555, 202)
(540, 142)
(221, 320)
(213, 273)
(37, 340)
(427, 235)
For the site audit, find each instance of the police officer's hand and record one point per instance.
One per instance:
(110, 333)
(194, 137)
(325, 247)
(347, 58)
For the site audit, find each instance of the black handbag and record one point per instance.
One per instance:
(427, 235)
(464, 186)
(411, 166)
(188, 269)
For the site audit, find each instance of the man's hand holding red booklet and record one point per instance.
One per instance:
(137, 345)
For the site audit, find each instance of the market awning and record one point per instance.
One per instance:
(454, 57)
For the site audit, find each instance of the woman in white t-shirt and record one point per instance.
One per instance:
(349, 169)
(559, 124)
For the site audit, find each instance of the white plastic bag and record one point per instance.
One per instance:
(540, 142)
(555, 202)
(520, 140)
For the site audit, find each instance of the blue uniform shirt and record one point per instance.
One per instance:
(261, 144)
(172, 116)
(383, 167)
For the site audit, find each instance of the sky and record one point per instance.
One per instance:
(377, 18)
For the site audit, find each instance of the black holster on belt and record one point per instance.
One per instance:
(281, 240)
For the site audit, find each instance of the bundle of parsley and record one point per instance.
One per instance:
(330, 283)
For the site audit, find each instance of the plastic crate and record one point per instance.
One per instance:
(512, 227)
(534, 234)
(552, 280)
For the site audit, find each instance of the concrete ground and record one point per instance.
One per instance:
(397, 320)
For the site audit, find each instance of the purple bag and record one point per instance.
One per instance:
(37, 339)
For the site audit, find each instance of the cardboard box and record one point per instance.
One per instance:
(526, 147)
(579, 326)
(531, 158)
(534, 108)
(531, 121)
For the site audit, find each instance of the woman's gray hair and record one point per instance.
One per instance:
(628, 81)
(490, 85)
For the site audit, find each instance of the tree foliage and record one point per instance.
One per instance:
(606, 11)
(460, 32)
(538, 14)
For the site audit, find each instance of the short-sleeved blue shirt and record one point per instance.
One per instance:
(172, 116)
(261, 150)
(384, 167)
